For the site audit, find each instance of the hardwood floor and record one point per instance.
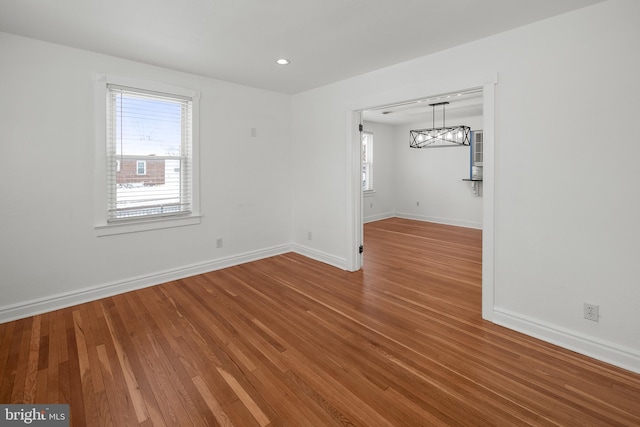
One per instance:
(291, 341)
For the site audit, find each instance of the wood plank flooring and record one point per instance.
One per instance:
(290, 341)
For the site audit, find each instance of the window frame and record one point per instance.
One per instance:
(101, 224)
(367, 164)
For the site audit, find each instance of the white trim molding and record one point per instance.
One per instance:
(489, 184)
(446, 221)
(379, 217)
(324, 257)
(614, 354)
(68, 299)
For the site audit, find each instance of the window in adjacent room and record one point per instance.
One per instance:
(149, 154)
(367, 161)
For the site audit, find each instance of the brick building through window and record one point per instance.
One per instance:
(129, 172)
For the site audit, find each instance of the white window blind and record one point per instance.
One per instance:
(149, 154)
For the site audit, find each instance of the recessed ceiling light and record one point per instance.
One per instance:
(283, 61)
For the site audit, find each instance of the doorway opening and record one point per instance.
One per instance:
(424, 183)
(480, 98)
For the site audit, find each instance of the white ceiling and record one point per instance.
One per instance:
(239, 40)
(461, 105)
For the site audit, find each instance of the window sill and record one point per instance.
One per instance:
(369, 193)
(138, 226)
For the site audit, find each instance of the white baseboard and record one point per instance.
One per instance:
(324, 257)
(378, 217)
(614, 354)
(446, 221)
(67, 299)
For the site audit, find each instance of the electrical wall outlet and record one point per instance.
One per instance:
(591, 312)
(219, 243)
(417, 203)
(309, 236)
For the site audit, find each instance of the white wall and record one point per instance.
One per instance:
(49, 245)
(433, 177)
(380, 203)
(566, 204)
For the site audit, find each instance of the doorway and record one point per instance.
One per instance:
(424, 184)
(356, 205)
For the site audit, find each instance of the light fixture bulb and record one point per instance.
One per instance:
(283, 61)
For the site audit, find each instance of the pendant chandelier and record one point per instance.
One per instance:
(439, 137)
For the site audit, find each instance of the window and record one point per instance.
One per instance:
(367, 161)
(477, 147)
(155, 123)
(149, 154)
(141, 167)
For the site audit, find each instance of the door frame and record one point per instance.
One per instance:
(355, 221)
